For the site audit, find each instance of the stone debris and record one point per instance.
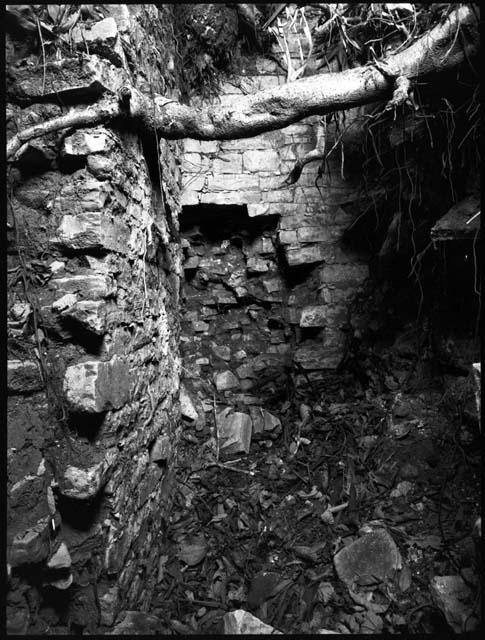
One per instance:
(234, 432)
(242, 622)
(80, 483)
(137, 623)
(162, 449)
(263, 421)
(456, 600)
(187, 409)
(374, 555)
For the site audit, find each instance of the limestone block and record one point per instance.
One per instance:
(162, 449)
(66, 80)
(234, 432)
(61, 558)
(228, 163)
(91, 286)
(245, 371)
(87, 141)
(92, 230)
(264, 160)
(455, 598)
(101, 38)
(348, 274)
(229, 182)
(242, 622)
(199, 326)
(308, 254)
(313, 316)
(316, 357)
(31, 546)
(256, 265)
(225, 380)
(187, 409)
(97, 386)
(200, 146)
(317, 234)
(82, 483)
(91, 314)
(23, 376)
(100, 167)
(288, 237)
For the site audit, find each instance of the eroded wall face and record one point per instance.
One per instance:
(93, 368)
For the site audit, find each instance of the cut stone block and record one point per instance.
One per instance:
(257, 265)
(304, 255)
(234, 431)
(91, 314)
(187, 409)
(81, 483)
(85, 142)
(313, 316)
(61, 558)
(265, 160)
(225, 380)
(23, 376)
(242, 622)
(373, 555)
(97, 386)
(91, 231)
(90, 286)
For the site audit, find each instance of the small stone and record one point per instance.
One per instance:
(187, 409)
(61, 559)
(161, 450)
(374, 554)
(313, 316)
(245, 371)
(234, 431)
(65, 302)
(31, 546)
(82, 484)
(199, 326)
(107, 605)
(62, 583)
(57, 266)
(221, 351)
(257, 265)
(242, 622)
(191, 263)
(225, 380)
(240, 355)
(91, 314)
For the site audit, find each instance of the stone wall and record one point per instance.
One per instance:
(93, 367)
(320, 274)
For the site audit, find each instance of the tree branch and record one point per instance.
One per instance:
(437, 50)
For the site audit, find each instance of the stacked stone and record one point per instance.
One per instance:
(311, 218)
(88, 491)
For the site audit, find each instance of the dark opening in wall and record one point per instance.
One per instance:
(217, 221)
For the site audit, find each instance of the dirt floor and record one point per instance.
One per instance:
(262, 532)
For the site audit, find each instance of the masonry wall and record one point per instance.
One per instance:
(93, 288)
(319, 275)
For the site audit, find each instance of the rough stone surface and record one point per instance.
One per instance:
(314, 316)
(225, 380)
(456, 600)
(23, 376)
(187, 409)
(234, 431)
(95, 386)
(242, 622)
(374, 554)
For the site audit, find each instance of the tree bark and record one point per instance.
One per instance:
(442, 48)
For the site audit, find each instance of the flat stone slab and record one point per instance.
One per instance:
(241, 622)
(374, 555)
(234, 432)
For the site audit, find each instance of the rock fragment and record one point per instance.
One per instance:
(242, 622)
